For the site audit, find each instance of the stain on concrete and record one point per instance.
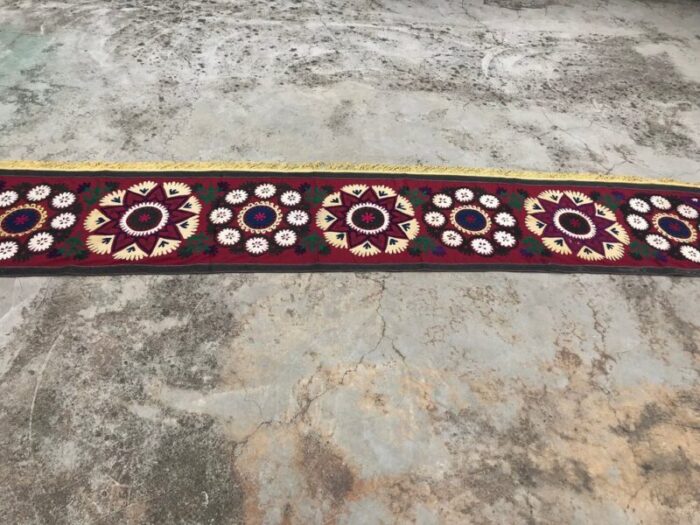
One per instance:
(192, 479)
(522, 4)
(324, 470)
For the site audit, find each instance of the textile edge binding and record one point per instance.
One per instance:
(85, 271)
(336, 167)
(208, 252)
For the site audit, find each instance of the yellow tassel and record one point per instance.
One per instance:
(335, 167)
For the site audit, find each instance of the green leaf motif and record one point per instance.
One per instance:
(315, 244)
(641, 249)
(208, 195)
(422, 244)
(73, 247)
(533, 245)
(92, 195)
(415, 196)
(196, 244)
(610, 201)
(515, 200)
(315, 195)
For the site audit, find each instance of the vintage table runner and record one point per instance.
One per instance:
(60, 218)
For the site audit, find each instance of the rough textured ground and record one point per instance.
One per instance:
(370, 398)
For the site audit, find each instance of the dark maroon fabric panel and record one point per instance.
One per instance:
(103, 222)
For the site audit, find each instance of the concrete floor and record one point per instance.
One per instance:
(352, 398)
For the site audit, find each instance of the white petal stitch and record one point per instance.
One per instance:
(464, 195)
(660, 202)
(505, 239)
(228, 236)
(40, 242)
(658, 242)
(8, 197)
(505, 219)
(63, 200)
(220, 215)
(489, 201)
(691, 253)
(297, 217)
(434, 219)
(257, 245)
(639, 205)
(442, 200)
(290, 198)
(63, 221)
(265, 191)
(285, 238)
(38, 193)
(482, 246)
(452, 239)
(637, 222)
(687, 211)
(8, 249)
(236, 196)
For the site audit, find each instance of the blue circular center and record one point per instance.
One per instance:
(675, 228)
(471, 220)
(20, 221)
(259, 217)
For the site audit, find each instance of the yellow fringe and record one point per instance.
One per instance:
(339, 167)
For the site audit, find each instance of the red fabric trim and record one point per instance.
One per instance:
(623, 235)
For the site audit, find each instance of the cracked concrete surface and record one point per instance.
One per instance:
(352, 398)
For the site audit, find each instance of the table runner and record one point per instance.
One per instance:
(102, 218)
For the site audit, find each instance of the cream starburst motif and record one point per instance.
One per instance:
(571, 223)
(367, 220)
(148, 219)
